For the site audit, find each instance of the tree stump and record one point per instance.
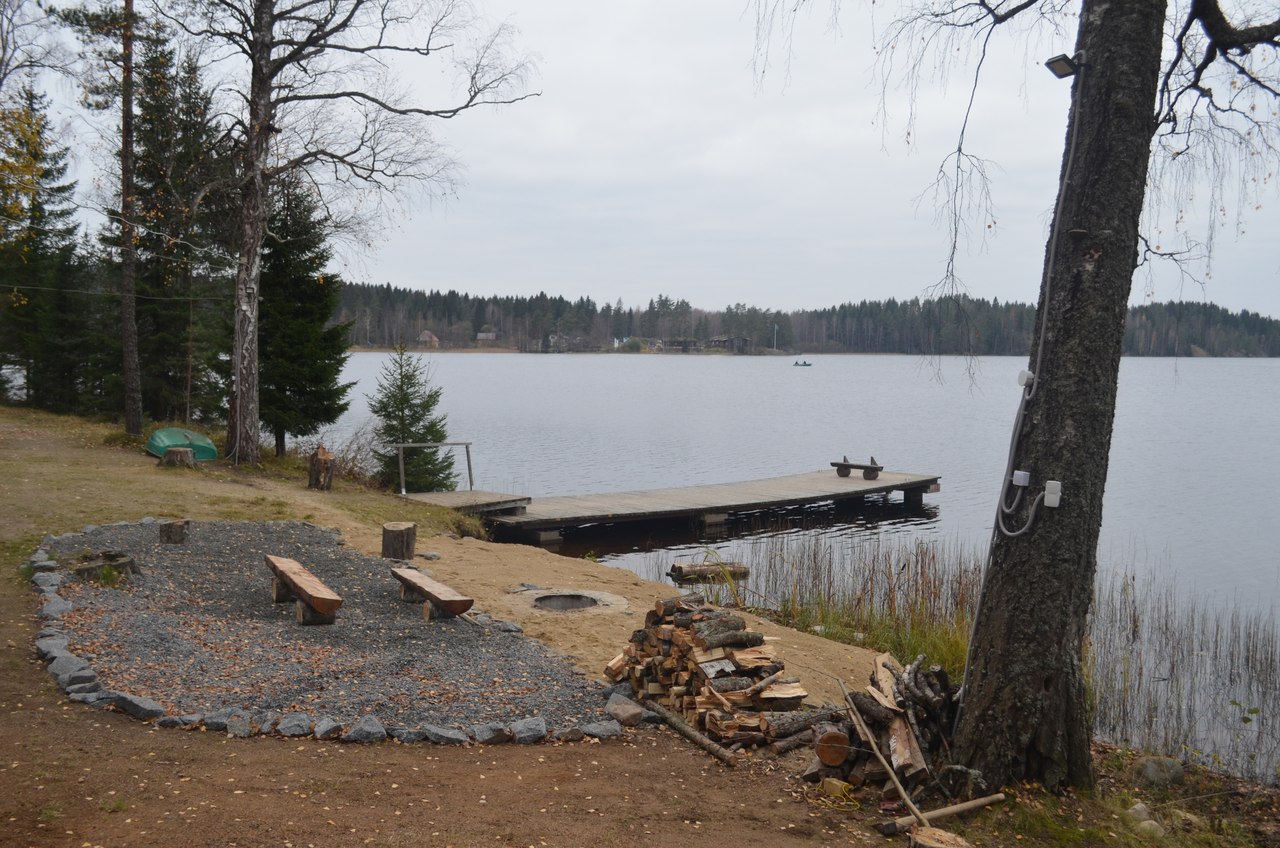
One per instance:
(321, 469)
(399, 539)
(175, 457)
(174, 532)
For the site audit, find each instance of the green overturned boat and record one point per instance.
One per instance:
(178, 437)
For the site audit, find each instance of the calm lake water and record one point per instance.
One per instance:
(1194, 458)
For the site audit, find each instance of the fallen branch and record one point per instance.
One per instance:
(688, 732)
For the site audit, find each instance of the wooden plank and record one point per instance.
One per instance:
(441, 595)
(305, 585)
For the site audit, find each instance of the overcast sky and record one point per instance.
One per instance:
(656, 160)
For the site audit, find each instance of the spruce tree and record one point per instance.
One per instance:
(44, 318)
(405, 406)
(300, 358)
(181, 317)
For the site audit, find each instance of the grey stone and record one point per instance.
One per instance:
(445, 735)
(137, 706)
(46, 581)
(79, 677)
(178, 721)
(492, 734)
(607, 729)
(367, 729)
(327, 728)
(216, 721)
(41, 555)
(624, 711)
(294, 724)
(65, 664)
(1151, 829)
(84, 688)
(54, 629)
(51, 647)
(101, 700)
(147, 520)
(1160, 771)
(239, 725)
(1139, 812)
(45, 566)
(623, 689)
(55, 607)
(569, 734)
(650, 717)
(407, 735)
(88, 528)
(429, 556)
(527, 731)
(506, 626)
(266, 721)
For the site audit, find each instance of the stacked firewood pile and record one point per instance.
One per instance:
(701, 663)
(907, 713)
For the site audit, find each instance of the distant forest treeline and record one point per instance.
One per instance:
(384, 315)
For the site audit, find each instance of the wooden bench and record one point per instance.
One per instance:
(870, 471)
(416, 586)
(317, 603)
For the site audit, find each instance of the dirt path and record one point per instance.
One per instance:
(73, 776)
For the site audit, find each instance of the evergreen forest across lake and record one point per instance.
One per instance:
(382, 316)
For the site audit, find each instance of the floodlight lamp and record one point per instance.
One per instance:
(1062, 66)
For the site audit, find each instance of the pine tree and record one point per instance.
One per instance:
(405, 405)
(300, 359)
(44, 318)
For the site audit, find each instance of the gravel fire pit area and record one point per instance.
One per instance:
(196, 631)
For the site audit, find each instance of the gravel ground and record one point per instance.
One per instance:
(197, 632)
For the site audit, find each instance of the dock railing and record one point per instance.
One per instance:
(471, 483)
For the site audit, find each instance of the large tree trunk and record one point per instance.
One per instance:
(243, 424)
(131, 368)
(1023, 715)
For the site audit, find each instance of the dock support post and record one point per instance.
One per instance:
(913, 498)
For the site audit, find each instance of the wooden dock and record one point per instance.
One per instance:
(472, 502)
(543, 519)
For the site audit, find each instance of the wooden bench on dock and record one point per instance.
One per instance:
(870, 471)
(317, 603)
(416, 586)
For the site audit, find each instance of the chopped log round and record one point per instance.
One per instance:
(320, 469)
(716, 626)
(733, 639)
(932, 837)
(174, 532)
(179, 457)
(399, 538)
(830, 744)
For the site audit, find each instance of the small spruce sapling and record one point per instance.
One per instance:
(405, 407)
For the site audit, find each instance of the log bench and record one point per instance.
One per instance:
(870, 471)
(317, 603)
(416, 586)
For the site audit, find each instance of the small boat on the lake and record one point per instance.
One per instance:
(799, 364)
(180, 437)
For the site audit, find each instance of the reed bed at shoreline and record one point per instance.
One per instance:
(1168, 672)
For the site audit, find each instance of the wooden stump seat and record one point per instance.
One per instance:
(317, 603)
(416, 586)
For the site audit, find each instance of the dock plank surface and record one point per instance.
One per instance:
(653, 504)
